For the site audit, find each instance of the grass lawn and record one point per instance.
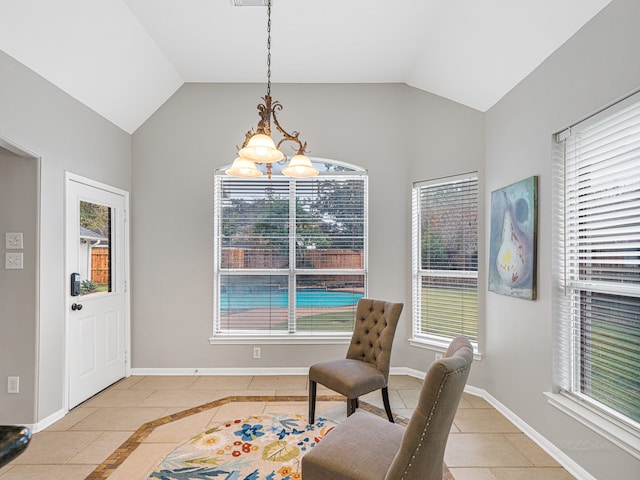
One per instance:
(453, 308)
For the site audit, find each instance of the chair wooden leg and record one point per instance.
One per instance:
(312, 401)
(387, 407)
(351, 405)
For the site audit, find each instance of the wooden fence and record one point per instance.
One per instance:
(100, 266)
(338, 259)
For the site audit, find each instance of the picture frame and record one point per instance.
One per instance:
(513, 240)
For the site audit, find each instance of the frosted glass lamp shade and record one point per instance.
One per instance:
(300, 167)
(261, 149)
(243, 168)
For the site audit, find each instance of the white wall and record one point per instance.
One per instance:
(595, 67)
(66, 135)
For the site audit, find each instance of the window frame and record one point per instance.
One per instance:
(567, 300)
(293, 272)
(419, 338)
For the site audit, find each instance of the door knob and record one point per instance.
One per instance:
(76, 306)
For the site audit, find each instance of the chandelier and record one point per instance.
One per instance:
(259, 147)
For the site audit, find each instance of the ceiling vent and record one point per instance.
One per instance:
(249, 3)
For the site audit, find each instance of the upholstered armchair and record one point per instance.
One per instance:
(366, 447)
(366, 366)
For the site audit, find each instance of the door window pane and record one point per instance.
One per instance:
(95, 248)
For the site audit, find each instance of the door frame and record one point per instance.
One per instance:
(72, 177)
(25, 153)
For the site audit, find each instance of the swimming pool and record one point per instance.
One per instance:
(269, 298)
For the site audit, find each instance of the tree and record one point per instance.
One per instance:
(338, 212)
(95, 217)
(449, 230)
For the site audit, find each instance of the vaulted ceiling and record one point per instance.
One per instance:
(124, 58)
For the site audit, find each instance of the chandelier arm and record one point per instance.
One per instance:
(247, 137)
(265, 112)
(291, 137)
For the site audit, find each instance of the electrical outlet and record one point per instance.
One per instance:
(438, 356)
(13, 385)
(257, 352)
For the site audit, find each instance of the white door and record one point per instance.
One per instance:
(96, 287)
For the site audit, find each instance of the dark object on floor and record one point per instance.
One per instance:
(13, 441)
(366, 367)
(365, 447)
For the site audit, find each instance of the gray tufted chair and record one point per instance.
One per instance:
(366, 367)
(386, 451)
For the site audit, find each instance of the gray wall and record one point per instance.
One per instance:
(66, 135)
(18, 294)
(595, 67)
(391, 130)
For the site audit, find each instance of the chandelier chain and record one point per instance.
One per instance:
(268, 47)
(259, 148)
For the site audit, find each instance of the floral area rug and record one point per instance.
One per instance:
(262, 447)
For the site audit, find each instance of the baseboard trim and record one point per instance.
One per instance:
(221, 371)
(407, 371)
(47, 421)
(251, 371)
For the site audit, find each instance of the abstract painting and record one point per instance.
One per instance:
(512, 250)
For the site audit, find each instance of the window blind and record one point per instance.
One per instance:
(330, 223)
(599, 315)
(330, 261)
(254, 223)
(445, 258)
(290, 254)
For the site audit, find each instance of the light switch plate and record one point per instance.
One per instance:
(13, 240)
(13, 261)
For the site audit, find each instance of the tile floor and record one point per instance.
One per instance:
(483, 445)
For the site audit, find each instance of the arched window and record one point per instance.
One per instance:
(290, 254)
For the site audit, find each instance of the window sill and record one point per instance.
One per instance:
(285, 339)
(616, 433)
(440, 346)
